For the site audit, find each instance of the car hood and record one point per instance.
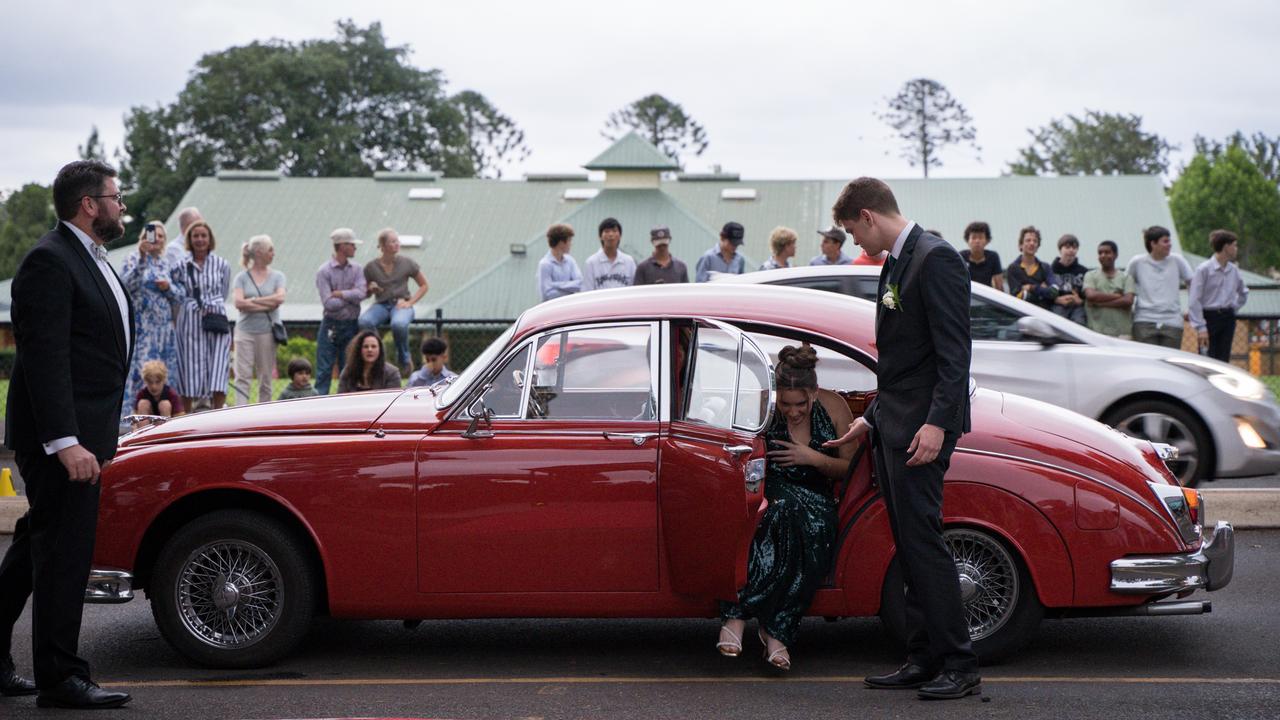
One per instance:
(1040, 432)
(323, 414)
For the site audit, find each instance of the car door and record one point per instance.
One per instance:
(1004, 360)
(559, 494)
(712, 460)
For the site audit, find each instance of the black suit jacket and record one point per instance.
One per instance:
(73, 356)
(924, 345)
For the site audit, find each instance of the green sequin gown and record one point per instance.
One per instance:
(791, 551)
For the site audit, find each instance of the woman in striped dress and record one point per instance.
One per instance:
(203, 357)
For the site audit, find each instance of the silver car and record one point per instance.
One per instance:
(1223, 421)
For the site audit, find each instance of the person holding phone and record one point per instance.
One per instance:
(146, 277)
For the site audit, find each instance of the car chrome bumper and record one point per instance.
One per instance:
(1210, 568)
(108, 586)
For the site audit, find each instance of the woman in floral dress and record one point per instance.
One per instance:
(146, 277)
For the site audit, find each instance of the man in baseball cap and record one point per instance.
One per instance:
(662, 266)
(724, 257)
(342, 286)
(832, 248)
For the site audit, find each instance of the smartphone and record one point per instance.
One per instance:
(151, 232)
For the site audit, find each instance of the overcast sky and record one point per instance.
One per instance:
(784, 89)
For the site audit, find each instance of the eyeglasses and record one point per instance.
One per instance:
(118, 197)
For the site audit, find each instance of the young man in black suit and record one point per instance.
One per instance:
(73, 325)
(920, 411)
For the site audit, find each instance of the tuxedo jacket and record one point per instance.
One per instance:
(73, 355)
(923, 344)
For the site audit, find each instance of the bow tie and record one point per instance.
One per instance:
(100, 252)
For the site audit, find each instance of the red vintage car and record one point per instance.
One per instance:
(603, 458)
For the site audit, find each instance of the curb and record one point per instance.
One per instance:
(1245, 508)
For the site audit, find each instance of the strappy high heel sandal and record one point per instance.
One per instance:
(780, 658)
(730, 644)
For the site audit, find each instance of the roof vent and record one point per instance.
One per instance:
(708, 177)
(248, 175)
(410, 241)
(421, 193)
(580, 193)
(427, 175)
(738, 194)
(555, 177)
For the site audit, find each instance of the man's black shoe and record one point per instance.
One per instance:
(906, 677)
(80, 694)
(951, 685)
(11, 683)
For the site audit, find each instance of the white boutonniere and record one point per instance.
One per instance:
(891, 299)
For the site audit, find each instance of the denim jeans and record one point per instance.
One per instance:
(379, 314)
(331, 346)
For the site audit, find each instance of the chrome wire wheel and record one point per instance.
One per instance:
(989, 586)
(1161, 428)
(229, 594)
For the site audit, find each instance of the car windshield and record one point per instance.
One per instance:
(477, 366)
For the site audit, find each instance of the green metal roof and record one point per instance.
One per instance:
(632, 152)
(469, 231)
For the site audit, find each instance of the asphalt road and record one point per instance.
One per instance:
(1221, 665)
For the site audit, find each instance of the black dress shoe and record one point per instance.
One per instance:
(11, 683)
(906, 677)
(80, 694)
(951, 685)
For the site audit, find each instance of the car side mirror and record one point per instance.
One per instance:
(479, 412)
(1039, 330)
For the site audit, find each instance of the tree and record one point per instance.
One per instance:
(1263, 150)
(927, 118)
(1097, 144)
(493, 140)
(660, 121)
(28, 214)
(92, 148)
(1228, 192)
(347, 106)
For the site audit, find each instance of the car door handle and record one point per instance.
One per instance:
(737, 450)
(636, 439)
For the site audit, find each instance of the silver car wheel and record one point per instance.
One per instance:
(1162, 428)
(229, 594)
(989, 586)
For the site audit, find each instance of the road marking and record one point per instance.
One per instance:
(626, 680)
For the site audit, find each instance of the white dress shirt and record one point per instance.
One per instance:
(898, 244)
(53, 446)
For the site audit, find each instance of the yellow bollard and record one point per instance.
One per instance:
(6, 483)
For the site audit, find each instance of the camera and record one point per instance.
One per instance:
(151, 232)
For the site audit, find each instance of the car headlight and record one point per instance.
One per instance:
(1227, 378)
(1185, 508)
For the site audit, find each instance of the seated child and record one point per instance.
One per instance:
(156, 397)
(435, 353)
(300, 376)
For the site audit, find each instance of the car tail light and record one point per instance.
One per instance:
(1185, 508)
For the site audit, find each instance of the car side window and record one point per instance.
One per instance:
(715, 367)
(601, 373)
(989, 321)
(829, 284)
(507, 388)
(835, 371)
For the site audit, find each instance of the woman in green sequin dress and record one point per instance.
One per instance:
(792, 549)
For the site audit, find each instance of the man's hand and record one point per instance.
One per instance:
(81, 465)
(1203, 337)
(404, 305)
(336, 294)
(925, 445)
(856, 430)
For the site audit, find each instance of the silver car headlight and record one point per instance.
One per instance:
(1227, 378)
(1185, 508)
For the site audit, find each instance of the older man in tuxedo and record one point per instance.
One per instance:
(920, 411)
(74, 331)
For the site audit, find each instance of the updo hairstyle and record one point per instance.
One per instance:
(795, 368)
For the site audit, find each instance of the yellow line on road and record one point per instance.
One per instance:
(348, 682)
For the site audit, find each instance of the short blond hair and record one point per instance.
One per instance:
(781, 237)
(385, 233)
(155, 369)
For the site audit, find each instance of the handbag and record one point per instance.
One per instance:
(215, 323)
(278, 331)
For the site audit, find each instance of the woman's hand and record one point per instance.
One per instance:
(794, 454)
